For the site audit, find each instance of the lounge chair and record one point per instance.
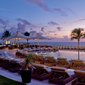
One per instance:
(81, 48)
(80, 80)
(64, 47)
(37, 59)
(41, 58)
(78, 65)
(55, 49)
(43, 48)
(70, 47)
(60, 76)
(50, 61)
(30, 49)
(25, 49)
(73, 47)
(38, 48)
(34, 49)
(52, 49)
(63, 62)
(20, 54)
(61, 47)
(40, 72)
(67, 47)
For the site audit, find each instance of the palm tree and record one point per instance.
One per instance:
(77, 34)
(27, 34)
(5, 34)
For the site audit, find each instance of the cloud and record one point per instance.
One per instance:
(59, 28)
(69, 10)
(12, 30)
(30, 28)
(4, 22)
(27, 23)
(21, 27)
(41, 33)
(52, 31)
(4, 27)
(65, 36)
(32, 33)
(39, 3)
(78, 20)
(35, 26)
(81, 20)
(52, 23)
(24, 21)
(42, 29)
(63, 13)
(55, 34)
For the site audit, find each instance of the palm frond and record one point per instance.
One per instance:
(73, 38)
(29, 59)
(76, 33)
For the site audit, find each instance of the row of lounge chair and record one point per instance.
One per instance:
(26, 51)
(58, 75)
(60, 62)
(22, 46)
(12, 66)
(50, 61)
(2, 46)
(30, 49)
(40, 72)
(70, 47)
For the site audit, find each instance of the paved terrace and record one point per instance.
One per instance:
(16, 76)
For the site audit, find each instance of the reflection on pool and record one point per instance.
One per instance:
(69, 54)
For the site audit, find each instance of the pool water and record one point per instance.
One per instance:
(69, 54)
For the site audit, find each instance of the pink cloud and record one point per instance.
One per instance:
(65, 36)
(52, 23)
(78, 20)
(59, 28)
(40, 3)
(55, 34)
(63, 13)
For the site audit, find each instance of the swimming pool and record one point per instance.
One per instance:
(69, 54)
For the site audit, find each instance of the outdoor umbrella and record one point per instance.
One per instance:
(38, 37)
(18, 36)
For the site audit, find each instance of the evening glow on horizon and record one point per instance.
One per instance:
(51, 18)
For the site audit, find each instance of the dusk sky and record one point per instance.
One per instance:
(51, 18)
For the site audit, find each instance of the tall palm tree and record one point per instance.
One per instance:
(77, 34)
(84, 35)
(5, 34)
(27, 34)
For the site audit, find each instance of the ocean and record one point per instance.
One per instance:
(58, 43)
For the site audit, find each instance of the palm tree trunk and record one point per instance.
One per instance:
(27, 41)
(78, 49)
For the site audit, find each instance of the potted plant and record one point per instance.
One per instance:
(26, 72)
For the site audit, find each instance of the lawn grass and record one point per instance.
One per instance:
(6, 81)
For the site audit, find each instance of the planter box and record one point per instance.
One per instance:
(26, 76)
